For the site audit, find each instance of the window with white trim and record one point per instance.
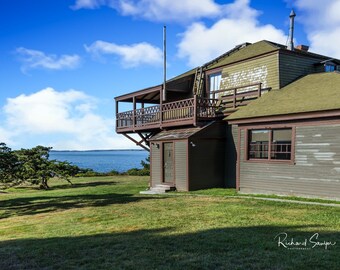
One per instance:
(214, 84)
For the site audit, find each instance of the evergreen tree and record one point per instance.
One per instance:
(9, 166)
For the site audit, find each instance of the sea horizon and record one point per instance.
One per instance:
(102, 160)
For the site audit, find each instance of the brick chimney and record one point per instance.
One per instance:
(302, 48)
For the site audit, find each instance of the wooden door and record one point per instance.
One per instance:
(168, 162)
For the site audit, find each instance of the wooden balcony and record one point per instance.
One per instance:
(187, 111)
(178, 113)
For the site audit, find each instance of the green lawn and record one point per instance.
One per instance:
(103, 223)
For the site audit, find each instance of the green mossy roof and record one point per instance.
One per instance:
(246, 52)
(312, 93)
(249, 51)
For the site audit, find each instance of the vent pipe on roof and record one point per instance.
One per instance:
(291, 31)
(164, 63)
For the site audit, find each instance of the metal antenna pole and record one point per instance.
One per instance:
(164, 63)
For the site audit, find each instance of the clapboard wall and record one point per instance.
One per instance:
(155, 164)
(294, 66)
(181, 168)
(315, 172)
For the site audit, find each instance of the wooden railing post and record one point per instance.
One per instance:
(134, 112)
(195, 110)
(234, 101)
(259, 89)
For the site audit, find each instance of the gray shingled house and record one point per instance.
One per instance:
(261, 118)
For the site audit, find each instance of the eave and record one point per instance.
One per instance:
(306, 116)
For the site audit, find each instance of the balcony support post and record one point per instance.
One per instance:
(137, 142)
(134, 112)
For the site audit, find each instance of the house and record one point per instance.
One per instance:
(262, 117)
(288, 141)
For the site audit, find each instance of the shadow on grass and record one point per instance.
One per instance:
(224, 248)
(86, 184)
(68, 185)
(45, 204)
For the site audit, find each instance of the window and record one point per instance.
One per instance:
(258, 144)
(270, 144)
(214, 83)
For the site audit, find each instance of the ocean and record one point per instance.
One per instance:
(103, 160)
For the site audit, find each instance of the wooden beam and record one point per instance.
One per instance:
(136, 142)
(144, 139)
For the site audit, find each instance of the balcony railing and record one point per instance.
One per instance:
(182, 112)
(187, 111)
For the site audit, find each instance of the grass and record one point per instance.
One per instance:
(103, 223)
(232, 192)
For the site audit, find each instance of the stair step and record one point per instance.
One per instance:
(148, 192)
(158, 189)
(163, 186)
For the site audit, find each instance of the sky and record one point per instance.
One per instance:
(63, 62)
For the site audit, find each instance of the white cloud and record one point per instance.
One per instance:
(322, 24)
(64, 120)
(32, 59)
(158, 10)
(88, 4)
(169, 10)
(46, 111)
(240, 24)
(131, 55)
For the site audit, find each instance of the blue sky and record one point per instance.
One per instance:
(63, 62)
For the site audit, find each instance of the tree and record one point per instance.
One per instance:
(35, 166)
(64, 170)
(9, 166)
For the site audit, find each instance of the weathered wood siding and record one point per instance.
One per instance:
(181, 170)
(156, 166)
(293, 66)
(316, 172)
(263, 69)
(231, 156)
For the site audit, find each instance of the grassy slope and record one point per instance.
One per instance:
(103, 223)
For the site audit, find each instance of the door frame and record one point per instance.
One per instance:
(173, 162)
